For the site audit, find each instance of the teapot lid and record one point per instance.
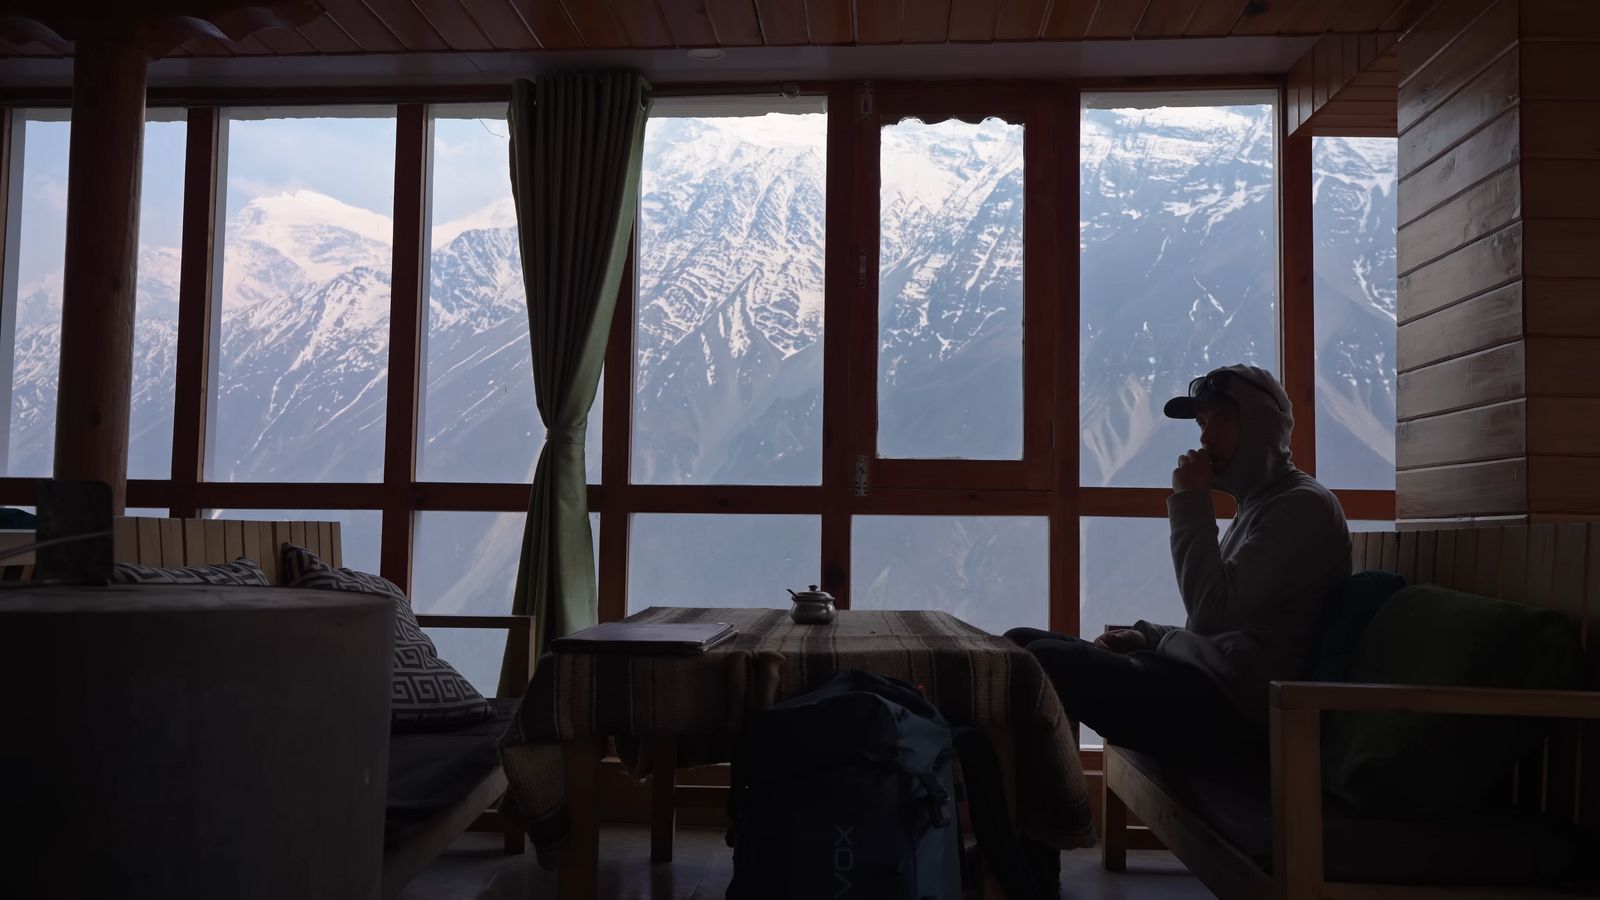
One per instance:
(810, 594)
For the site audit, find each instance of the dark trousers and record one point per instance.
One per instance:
(1142, 701)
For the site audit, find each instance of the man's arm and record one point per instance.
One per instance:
(1279, 557)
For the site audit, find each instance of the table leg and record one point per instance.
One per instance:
(663, 796)
(1005, 752)
(579, 877)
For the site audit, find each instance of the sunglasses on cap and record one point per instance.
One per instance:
(1213, 387)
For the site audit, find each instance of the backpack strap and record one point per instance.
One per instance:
(991, 817)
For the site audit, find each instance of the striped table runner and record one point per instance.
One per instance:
(974, 677)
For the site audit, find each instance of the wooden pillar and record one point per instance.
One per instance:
(1499, 310)
(101, 264)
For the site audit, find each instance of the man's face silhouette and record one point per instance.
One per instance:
(1219, 433)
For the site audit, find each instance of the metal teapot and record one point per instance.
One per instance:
(812, 607)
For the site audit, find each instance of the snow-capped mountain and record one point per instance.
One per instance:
(1177, 224)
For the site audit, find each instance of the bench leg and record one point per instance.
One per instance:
(663, 797)
(1114, 831)
(579, 878)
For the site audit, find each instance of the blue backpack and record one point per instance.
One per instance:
(847, 792)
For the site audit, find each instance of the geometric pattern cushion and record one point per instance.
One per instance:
(426, 693)
(242, 572)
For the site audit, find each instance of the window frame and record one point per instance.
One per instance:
(1044, 483)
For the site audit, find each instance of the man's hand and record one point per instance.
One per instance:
(1123, 640)
(1193, 472)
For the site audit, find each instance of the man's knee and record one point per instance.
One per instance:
(1022, 637)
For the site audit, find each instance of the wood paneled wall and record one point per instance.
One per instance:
(1499, 261)
(1344, 85)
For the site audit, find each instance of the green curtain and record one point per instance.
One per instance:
(576, 143)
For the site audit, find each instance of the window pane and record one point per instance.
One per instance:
(303, 363)
(1361, 525)
(474, 652)
(155, 320)
(724, 561)
(988, 571)
(1178, 242)
(479, 421)
(950, 290)
(1353, 216)
(33, 292)
(359, 529)
(728, 365)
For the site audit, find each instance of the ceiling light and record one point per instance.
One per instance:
(707, 53)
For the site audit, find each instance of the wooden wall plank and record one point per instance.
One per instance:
(171, 542)
(1466, 560)
(1560, 486)
(1538, 582)
(149, 542)
(1560, 20)
(1488, 320)
(1561, 248)
(1434, 29)
(1407, 564)
(297, 534)
(1486, 572)
(337, 559)
(1481, 433)
(1547, 74)
(1427, 548)
(215, 547)
(1514, 564)
(233, 538)
(1488, 376)
(125, 539)
(1472, 489)
(194, 543)
(250, 545)
(1444, 557)
(1561, 188)
(1488, 263)
(1565, 307)
(1560, 366)
(1391, 550)
(1564, 426)
(1466, 54)
(1477, 157)
(1486, 207)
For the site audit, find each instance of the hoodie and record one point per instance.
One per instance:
(1254, 600)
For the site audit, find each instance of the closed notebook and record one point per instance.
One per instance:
(645, 637)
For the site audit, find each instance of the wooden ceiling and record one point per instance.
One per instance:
(404, 26)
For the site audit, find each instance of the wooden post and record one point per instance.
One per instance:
(1296, 736)
(579, 876)
(663, 796)
(108, 88)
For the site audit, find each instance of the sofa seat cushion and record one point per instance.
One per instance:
(429, 773)
(1497, 848)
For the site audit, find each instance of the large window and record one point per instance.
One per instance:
(1177, 241)
(728, 337)
(919, 453)
(300, 390)
(1353, 218)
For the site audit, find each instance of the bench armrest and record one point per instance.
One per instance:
(1339, 697)
(523, 654)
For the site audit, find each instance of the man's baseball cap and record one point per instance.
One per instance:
(1214, 387)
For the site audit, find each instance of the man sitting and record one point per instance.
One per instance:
(1253, 601)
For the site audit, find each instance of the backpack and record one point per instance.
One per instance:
(847, 792)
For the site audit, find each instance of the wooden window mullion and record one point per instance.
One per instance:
(198, 300)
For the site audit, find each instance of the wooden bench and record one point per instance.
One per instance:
(1551, 566)
(165, 542)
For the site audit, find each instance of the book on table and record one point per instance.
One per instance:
(645, 638)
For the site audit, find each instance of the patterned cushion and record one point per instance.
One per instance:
(426, 693)
(242, 572)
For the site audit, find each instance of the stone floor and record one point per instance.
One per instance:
(475, 869)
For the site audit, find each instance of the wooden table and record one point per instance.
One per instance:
(688, 711)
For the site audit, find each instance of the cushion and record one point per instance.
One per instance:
(430, 773)
(242, 572)
(426, 693)
(1414, 766)
(1350, 606)
(1502, 847)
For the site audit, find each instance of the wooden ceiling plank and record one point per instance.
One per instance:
(735, 22)
(643, 23)
(207, 46)
(358, 20)
(783, 23)
(1364, 15)
(551, 27)
(448, 21)
(1215, 18)
(597, 24)
(285, 42)
(1266, 16)
(878, 21)
(929, 22)
(975, 21)
(688, 23)
(502, 24)
(1021, 20)
(1069, 19)
(1117, 20)
(249, 45)
(326, 35)
(830, 21)
(1406, 13)
(1167, 18)
(1314, 16)
(407, 23)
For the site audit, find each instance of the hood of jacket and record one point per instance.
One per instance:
(1266, 419)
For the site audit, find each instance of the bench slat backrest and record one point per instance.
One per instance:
(1551, 566)
(163, 542)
